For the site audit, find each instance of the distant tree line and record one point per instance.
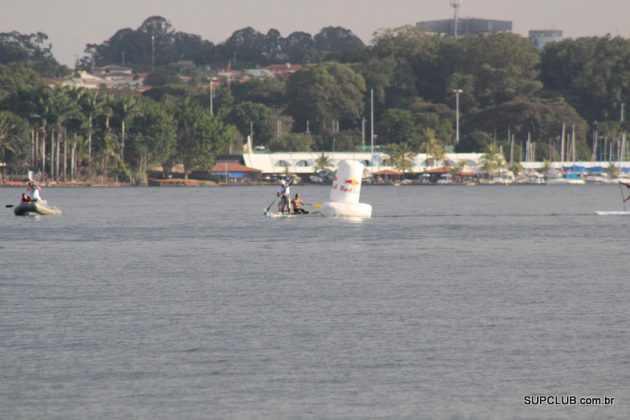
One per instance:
(157, 43)
(509, 91)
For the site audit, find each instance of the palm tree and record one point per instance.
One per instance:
(12, 131)
(545, 168)
(62, 108)
(92, 104)
(80, 129)
(612, 170)
(38, 113)
(109, 145)
(401, 157)
(322, 163)
(434, 150)
(124, 107)
(492, 160)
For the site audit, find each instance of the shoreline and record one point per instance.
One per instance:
(193, 183)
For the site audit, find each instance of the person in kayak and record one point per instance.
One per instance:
(285, 194)
(297, 203)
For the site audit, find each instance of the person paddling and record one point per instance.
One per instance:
(297, 203)
(284, 192)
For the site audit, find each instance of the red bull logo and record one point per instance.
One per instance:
(350, 186)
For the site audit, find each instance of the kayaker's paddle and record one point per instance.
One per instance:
(9, 206)
(274, 200)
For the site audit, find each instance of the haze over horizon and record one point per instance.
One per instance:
(71, 25)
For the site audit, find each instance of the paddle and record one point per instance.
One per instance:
(274, 200)
(9, 206)
(623, 198)
(316, 205)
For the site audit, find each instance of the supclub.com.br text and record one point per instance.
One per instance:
(566, 400)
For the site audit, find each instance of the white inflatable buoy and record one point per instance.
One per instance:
(345, 193)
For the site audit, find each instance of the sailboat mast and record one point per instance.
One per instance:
(564, 127)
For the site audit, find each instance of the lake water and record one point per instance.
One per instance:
(451, 302)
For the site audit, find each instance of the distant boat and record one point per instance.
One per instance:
(566, 181)
(612, 213)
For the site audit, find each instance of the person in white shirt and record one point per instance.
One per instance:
(284, 192)
(36, 196)
(33, 190)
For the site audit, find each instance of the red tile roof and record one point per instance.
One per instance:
(442, 170)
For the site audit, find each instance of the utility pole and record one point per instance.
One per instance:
(211, 98)
(251, 131)
(372, 123)
(457, 93)
(152, 52)
(363, 132)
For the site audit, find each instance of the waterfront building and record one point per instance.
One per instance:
(283, 70)
(304, 163)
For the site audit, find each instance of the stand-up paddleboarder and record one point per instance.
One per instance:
(284, 192)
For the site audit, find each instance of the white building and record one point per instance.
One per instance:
(302, 163)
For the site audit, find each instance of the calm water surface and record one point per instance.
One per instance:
(452, 302)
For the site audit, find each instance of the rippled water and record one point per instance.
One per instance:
(452, 302)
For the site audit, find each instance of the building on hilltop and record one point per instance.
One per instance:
(280, 70)
(540, 38)
(272, 70)
(112, 70)
(465, 26)
(121, 80)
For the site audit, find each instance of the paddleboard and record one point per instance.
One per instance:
(278, 215)
(612, 213)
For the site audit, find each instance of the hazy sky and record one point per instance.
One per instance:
(71, 24)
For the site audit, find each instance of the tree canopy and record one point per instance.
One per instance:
(31, 50)
(325, 93)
